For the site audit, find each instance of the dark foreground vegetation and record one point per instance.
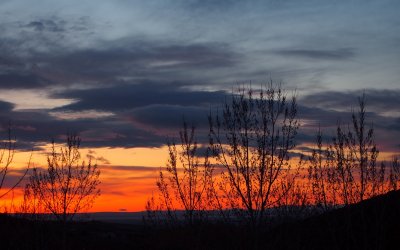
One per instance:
(370, 224)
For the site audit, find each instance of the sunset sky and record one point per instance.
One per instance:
(122, 74)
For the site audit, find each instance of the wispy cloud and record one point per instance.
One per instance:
(335, 54)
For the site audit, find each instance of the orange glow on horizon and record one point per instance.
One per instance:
(128, 175)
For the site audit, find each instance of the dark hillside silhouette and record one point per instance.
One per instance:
(371, 224)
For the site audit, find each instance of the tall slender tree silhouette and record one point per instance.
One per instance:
(185, 182)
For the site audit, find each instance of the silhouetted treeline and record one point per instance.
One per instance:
(252, 188)
(250, 174)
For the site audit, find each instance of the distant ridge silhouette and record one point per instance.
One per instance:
(370, 224)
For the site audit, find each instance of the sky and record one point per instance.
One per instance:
(123, 74)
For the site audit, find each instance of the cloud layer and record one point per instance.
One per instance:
(126, 74)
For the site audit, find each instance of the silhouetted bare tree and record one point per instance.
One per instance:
(319, 175)
(68, 185)
(346, 171)
(7, 152)
(353, 155)
(394, 175)
(252, 141)
(340, 159)
(363, 154)
(185, 182)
